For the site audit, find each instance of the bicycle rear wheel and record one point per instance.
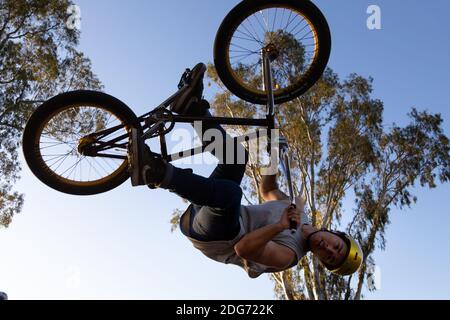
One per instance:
(296, 29)
(57, 131)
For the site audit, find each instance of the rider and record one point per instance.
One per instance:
(255, 237)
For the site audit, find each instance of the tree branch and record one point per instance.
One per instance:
(21, 24)
(33, 33)
(3, 28)
(348, 289)
(11, 126)
(340, 189)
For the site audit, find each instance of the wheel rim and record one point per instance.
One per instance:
(59, 136)
(294, 36)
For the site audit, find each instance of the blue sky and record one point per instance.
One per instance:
(118, 245)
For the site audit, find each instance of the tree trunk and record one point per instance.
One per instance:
(319, 290)
(309, 281)
(287, 287)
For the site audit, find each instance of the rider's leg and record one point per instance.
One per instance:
(217, 199)
(235, 168)
(216, 204)
(198, 189)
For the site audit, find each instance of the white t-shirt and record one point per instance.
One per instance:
(252, 218)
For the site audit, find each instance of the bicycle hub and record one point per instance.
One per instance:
(271, 51)
(85, 146)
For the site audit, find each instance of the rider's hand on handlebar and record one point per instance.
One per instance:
(282, 142)
(290, 214)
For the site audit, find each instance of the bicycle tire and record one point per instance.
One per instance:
(44, 113)
(245, 9)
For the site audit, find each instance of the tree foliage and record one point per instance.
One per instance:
(341, 148)
(38, 59)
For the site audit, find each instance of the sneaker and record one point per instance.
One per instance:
(192, 81)
(154, 169)
(140, 159)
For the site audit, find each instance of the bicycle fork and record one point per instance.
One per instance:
(270, 53)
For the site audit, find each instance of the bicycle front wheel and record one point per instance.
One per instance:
(296, 29)
(57, 131)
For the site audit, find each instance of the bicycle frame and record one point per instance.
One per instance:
(155, 120)
(153, 123)
(267, 122)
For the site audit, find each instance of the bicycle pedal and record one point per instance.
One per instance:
(185, 78)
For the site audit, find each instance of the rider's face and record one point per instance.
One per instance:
(330, 248)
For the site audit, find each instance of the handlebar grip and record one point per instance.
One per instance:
(292, 224)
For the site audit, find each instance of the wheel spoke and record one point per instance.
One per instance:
(242, 55)
(54, 145)
(98, 162)
(62, 133)
(63, 160)
(274, 19)
(301, 30)
(92, 167)
(242, 38)
(266, 29)
(71, 167)
(249, 33)
(274, 24)
(259, 22)
(255, 32)
(299, 23)
(282, 16)
(289, 20)
(240, 47)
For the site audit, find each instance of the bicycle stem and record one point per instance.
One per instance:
(267, 56)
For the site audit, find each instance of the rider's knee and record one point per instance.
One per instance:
(235, 195)
(238, 195)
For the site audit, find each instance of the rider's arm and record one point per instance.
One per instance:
(269, 189)
(257, 246)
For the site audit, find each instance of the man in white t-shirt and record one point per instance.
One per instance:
(255, 237)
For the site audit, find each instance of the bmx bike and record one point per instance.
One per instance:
(77, 142)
